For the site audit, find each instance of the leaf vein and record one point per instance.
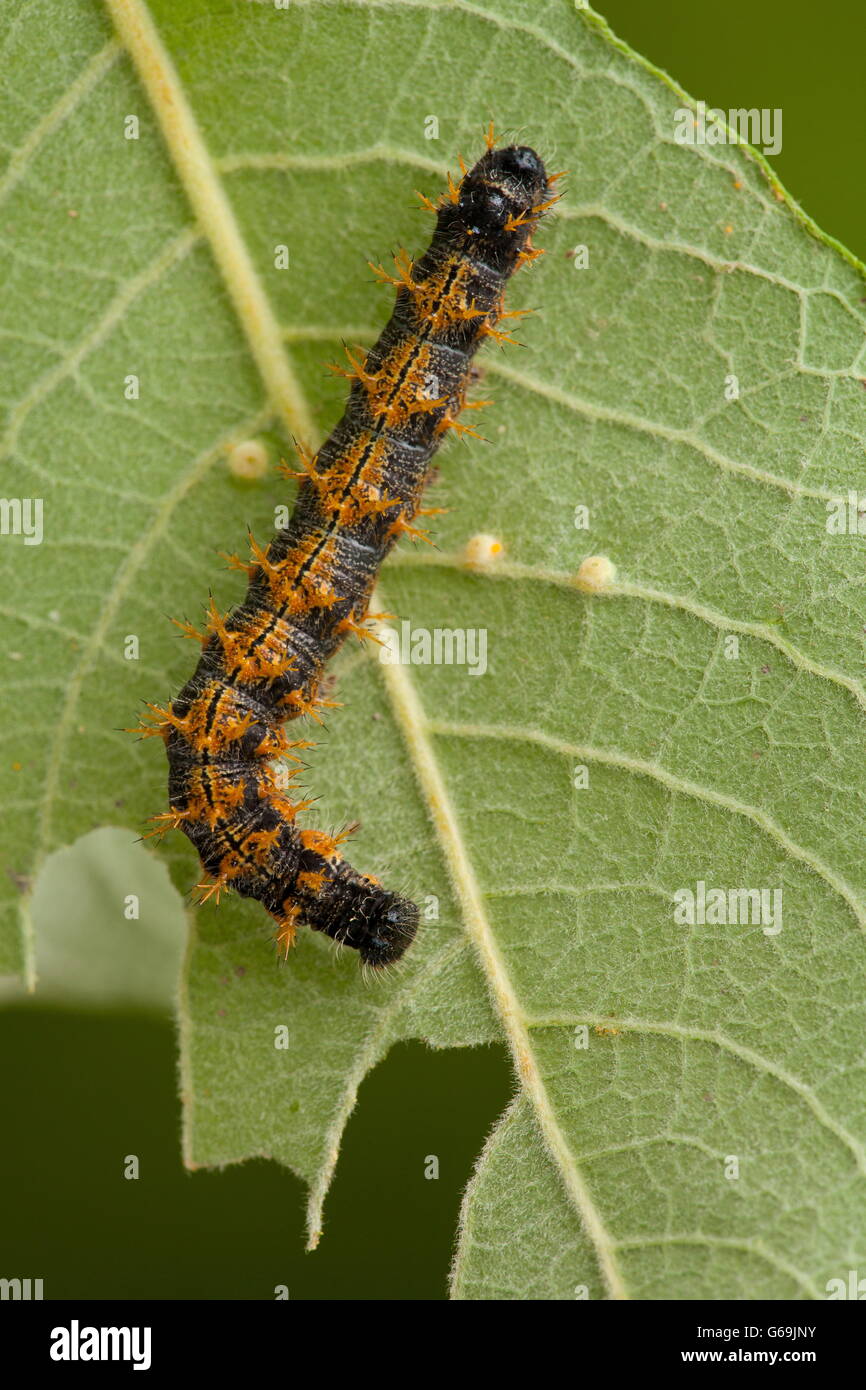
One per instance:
(643, 768)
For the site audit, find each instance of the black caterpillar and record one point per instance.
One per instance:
(261, 664)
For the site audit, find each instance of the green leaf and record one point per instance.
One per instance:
(86, 955)
(653, 1059)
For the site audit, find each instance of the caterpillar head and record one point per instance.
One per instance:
(388, 929)
(355, 910)
(501, 197)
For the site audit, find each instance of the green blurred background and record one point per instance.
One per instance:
(84, 1088)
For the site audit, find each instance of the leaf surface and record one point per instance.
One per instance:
(550, 905)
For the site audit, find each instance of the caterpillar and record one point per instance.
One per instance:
(261, 663)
